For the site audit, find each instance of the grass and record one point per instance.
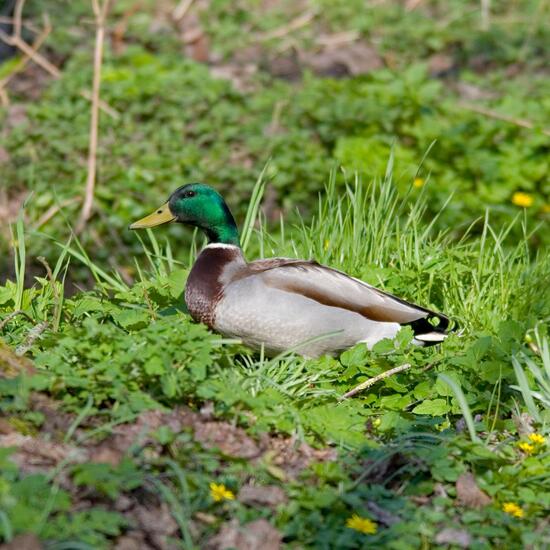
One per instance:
(540, 376)
(223, 132)
(136, 410)
(120, 350)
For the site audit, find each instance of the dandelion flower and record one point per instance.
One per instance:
(526, 447)
(418, 182)
(537, 439)
(522, 199)
(513, 509)
(363, 525)
(220, 492)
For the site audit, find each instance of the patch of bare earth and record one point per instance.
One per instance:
(151, 524)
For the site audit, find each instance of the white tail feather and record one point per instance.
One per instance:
(431, 337)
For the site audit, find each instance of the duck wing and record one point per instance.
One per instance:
(334, 288)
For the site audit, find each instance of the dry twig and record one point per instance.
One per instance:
(521, 122)
(297, 23)
(367, 383)
(12, 315)
(26, 24)
(25, 59)
(32, 53)
(337, 39)
(53, 210)
(485, 14)
(100, 13)
(17, 16)
(32, 336)
(181, 10)
(17, 42)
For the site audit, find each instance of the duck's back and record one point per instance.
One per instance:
(260, 314)
(296, 304)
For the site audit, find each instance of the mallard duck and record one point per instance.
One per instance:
(282, 303)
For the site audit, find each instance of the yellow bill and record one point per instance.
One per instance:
(158, 217)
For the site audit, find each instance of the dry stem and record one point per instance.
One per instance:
(31, 53)
(53, 210)
(181, 10)
(522, 122)
(26, 58)
(32, 336)
(12, 315)
(374, 379)
(100, 13)
(297, 23)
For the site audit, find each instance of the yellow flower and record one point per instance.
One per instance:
(526, 447)
(220, 492)
(363, 525)
(418, 182)
(327, 244)
(537, 439)
(522, 199)
(546, 208)
(513, 509)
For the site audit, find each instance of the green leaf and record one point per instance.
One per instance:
(131, 318)
(432, 407)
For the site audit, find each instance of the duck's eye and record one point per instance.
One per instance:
(188, 194)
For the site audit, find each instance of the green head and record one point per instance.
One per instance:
(199, 205)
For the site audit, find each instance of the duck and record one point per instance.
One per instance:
(282, 304)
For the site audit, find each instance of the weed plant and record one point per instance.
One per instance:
(111, 353)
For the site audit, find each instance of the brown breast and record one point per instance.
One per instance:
(212, 270)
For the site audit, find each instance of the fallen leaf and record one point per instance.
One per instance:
(381, 515)
(11, 364)
(231, 440)
(25, 541)
(524, 423)
(132, 541)
(471, 92)
(457, 537)
(106, 455)
(256, 535)
(123, 503)
(5, 427)
(292, 457)
(4, 155)
(34, 454)
(441, 64)
(285, 66)
(139, 431)
(196, 42)
(469, 494)
(262, 495)
(16, 115)
(209, 519)
(156, 522)
(10, 205)
(239, 75)
(348, 59)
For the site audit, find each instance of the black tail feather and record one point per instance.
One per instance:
(424, 327)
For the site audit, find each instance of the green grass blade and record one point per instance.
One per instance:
(461, 398)
(5, 525)
(20, 259)
(253, 207)
(523, 385)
